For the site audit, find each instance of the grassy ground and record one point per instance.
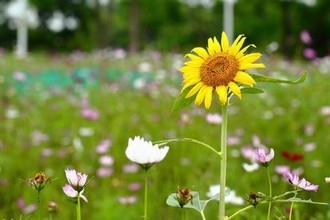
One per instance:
(134, 96)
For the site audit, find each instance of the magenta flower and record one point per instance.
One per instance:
(262, 157)
(90, 114)
(77, 182)
(293, 178)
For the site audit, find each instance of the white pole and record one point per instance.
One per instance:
(228, 18)
(22, 39)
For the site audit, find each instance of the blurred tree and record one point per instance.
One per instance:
(173, 24)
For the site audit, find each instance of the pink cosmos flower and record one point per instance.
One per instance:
(72, 193)
(76, 179)
(262, 157)
(293, 178)
(77, 182)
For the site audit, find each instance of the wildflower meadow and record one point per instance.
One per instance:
(223, 132)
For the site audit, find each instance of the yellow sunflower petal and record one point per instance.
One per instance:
(200, 51)
(222, 92)
(217, 47)
(201, 95)
(210, 46)
(208, 97)
(238, 43)
(235, 89)
(189, 83)
(194, 63)
(250, 58)
(241, 52)
(244, 66)
(244, 78)
(194, 57)
(195, 89)
(224, 42)
(188, 69)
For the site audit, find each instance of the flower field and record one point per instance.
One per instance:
(78, 111)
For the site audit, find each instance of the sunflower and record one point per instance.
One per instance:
(220, 68)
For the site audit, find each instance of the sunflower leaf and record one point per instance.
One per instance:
(181, 101)
(260, 78)
(253, 90)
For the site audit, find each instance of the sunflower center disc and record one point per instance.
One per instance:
(219, 70)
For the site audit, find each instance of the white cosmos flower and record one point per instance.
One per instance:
(144, 152)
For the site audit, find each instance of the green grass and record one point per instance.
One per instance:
(279, 117)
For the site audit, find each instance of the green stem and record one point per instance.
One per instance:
(182, 214)
(291, 208)
(290, 212)
(78, 208)
(163, 142)
(145, 196)
(223, 161)
(270, 193)
(39, 201)
(239, 211)
(203, 216)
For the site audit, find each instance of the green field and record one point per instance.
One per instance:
(42, 129)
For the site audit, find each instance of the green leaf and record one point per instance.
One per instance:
(251, 90)
(181, 101)
(196, 203)
(260, 78)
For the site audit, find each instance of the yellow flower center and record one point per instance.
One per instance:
(219, 70)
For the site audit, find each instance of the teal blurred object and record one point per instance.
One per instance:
(88, 77)
(134, 76)
(114, 74)
(53, 79)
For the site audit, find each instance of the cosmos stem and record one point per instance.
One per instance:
(223, 161)
(270, 194)
(78, 208)
(145, 216)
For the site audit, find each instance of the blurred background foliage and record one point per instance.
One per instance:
(173, 25)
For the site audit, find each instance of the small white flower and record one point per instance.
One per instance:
(144, 152)
(250, 167)
(230, 196)
(327, 179)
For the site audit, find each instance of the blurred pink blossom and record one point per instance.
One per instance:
(281, 169)
(127, 199)
(103, 146)
(134, 186)
(309, 53)
(19, 76)
(91, 114)
(104, 172)
(130, 168)
(305, 37)
(213, 118)
(106, 160)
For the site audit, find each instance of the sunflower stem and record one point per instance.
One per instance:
(223, 161)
